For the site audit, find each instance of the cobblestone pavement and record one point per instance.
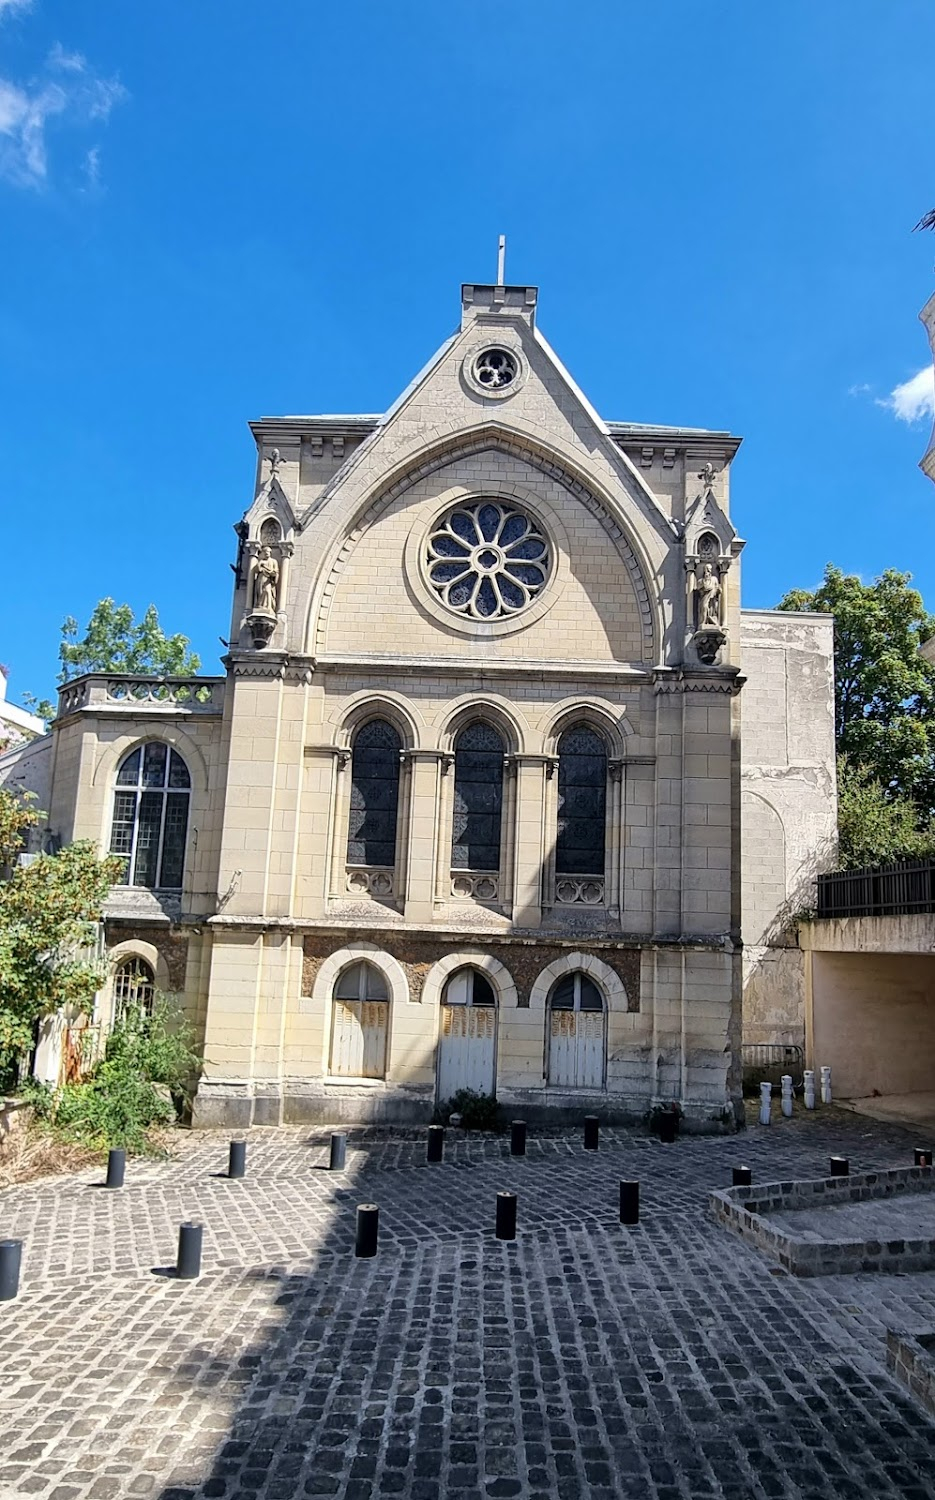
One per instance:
(585, 1359)
(908, 1217)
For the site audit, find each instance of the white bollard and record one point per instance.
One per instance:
(826, 1085)
(766, 1102)
(809, 1093)
(786, 1086)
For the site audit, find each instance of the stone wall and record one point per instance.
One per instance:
(746, 1210)
(788, 808)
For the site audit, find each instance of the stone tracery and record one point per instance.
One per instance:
(487, 560)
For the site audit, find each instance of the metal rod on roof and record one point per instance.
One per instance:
(501, 260)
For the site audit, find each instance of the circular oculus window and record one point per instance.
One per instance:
(486, 560)
(495, 369)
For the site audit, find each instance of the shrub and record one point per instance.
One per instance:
(478, 1111)
(148, 1061)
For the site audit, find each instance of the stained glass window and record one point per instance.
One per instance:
(487, 560)
(371, 833)
(582, 801)
(478, 801)
(150, 822)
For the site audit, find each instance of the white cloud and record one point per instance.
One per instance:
(69, 88)
(914, 400)
(92, 169)
(66, 62)
(9, 7)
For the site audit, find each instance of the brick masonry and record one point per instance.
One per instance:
(525, 961)
(585, 1361)
(911, 1357)
(748, 1210)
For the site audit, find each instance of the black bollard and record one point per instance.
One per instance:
(435, 1148)
(840, 1166)
(518, 1138)
(11, 1256)
(922, 1156)
(368, 1230)
(237, 1159)
(188, 1264)
(338, 1152)
(742, 1177)
(592, 1126)
(116, 1166)
(629, 1203)
(506, 1216)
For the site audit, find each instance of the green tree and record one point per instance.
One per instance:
(874, 826)
(114, 642)
(927, 221)
(884, 689)
(48, 912)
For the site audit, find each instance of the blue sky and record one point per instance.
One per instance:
(224, 209)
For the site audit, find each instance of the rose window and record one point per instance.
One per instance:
(495, 369)
(487, 560)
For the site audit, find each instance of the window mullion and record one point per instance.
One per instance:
(162, 839)
(131, 862)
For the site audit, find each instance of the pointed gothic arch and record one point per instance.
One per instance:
(500, 439)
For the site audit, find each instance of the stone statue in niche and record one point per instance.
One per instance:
(709, 599)
(265, 582)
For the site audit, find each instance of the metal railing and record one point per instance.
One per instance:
(895, 890)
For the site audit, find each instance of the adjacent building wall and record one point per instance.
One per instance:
(788, 807)
(872, 1020)
(28, 768)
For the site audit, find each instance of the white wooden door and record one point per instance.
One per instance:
(576, 1035)
(576, 1049)
(467, 1043)
(358, 1038)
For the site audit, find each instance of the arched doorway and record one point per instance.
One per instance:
(576, 1034)
(467, 1042)
(359, 1023)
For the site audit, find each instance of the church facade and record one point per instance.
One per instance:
(471, 807)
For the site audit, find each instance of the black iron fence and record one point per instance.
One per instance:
(884, 891)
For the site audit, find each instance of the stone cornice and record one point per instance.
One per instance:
(476, 937)
(282, 429)
(678, 681)
(456, 666)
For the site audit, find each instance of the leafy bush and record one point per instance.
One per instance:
(877, 825)
(478, 1111)
(148, 1062)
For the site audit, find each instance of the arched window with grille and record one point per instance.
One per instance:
(151, 811)
(359, 1022)
(582, 807)
(576, 1034)
(371, 831)
(478, 812)
(134, 986)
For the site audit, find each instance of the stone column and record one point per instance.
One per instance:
(529, 841)
(317, 824)
(667, 812)
(422, 869)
